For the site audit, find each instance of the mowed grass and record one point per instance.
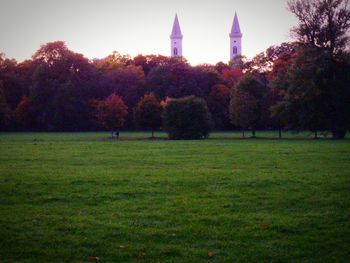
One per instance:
(72, 197)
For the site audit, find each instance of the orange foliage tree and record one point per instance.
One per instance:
(111, 113)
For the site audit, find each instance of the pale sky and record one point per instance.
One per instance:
(95, 28)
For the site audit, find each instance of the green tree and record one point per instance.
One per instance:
(218, 104)
(243, 110)
(187, 118)
(246, 103)
(307, 91)
(147, 113)
(316, 77)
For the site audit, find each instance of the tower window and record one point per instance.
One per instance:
(234, 50)
(175, 51)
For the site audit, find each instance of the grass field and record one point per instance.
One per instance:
(72, 197)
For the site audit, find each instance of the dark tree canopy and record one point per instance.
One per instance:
(62, 86)
(299, 85)
(218, 104)
(322, 23)
(309, 90)
(243, 109)
(187, 118)
(24, 114)
(147, 113)
(312, 80)
(245, 104)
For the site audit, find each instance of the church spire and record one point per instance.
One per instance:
(235, 39)
(176, 39)
(176, 32)
(235, 30)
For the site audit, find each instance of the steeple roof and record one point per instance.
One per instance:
(176, 32)
(235, 30)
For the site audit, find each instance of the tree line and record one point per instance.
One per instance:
(302, 85)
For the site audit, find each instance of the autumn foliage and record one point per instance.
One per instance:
(111, 112)
(301, 85)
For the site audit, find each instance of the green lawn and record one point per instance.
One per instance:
(70, 197)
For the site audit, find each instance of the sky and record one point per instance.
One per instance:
(96, 28)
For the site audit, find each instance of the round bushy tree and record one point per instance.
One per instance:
(187, 118)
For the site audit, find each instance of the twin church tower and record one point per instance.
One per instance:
(235, 39)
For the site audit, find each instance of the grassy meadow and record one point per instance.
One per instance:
(81, 197)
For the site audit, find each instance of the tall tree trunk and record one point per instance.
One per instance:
(280, 133)
(112, 134)
(253, 133)
(315, 135)
(152, 133)
(117, 133)
(243, 133)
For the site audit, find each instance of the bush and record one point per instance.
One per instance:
(187, 118)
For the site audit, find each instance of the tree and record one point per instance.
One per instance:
(114, 61)
(206, 76)
(147, 113)
(221, 66)
(282, 58)
(264, 62)
(246, 103)
(243, 110)
(63, 84)
(118, 74)
(11, 87)
(24, 114)
(307, 91)
(340, 115)
(275, 114)
(149, 62)
(111, 113)
(159, 81)
(187, 118)
(231, 77)
(5, 111)
(218, 104)
(312, 84)
(178, 79)
(322, 23)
